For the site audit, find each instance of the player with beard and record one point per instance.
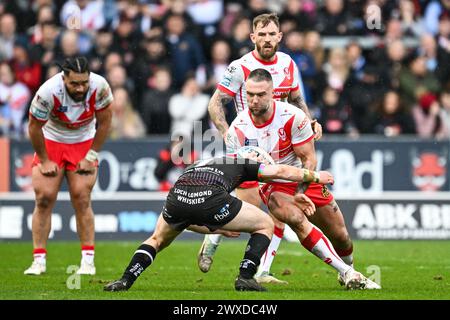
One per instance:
(287, 83)
(69, 120)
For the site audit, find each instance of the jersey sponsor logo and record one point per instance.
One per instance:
(42, 102)
(429, 171)
(325, 192)
(63, 108)
(38, 113)
(282, 134)
(303, 124)
(231, 69)
(223, 213)
(226, 81)
(250, 142)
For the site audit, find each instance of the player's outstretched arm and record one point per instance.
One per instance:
(281, 171)
(215, 109)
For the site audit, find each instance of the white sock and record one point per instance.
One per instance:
(319, 245)
(87, 254)
(271, 252)
(40, 256)
(214, 238)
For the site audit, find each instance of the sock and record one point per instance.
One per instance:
(40, 255)
(319, 245)
(214, 238)
(256, 246)
(269, 255)
(87, 254)
(142, 258)
(346, 255)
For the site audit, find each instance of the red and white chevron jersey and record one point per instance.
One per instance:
(284, 71)
(68, 121)
(287, 127)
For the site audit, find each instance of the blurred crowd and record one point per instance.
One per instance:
(164, 58)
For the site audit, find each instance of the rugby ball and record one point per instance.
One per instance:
(256, 154)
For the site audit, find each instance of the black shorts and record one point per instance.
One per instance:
(208, 206)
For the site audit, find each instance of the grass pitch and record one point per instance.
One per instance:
(408, 270)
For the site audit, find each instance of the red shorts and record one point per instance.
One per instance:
(65, 155)
(319, 194)
(249, 185)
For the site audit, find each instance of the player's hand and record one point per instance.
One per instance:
(85, 167)
(326, 177)
(229, 234)
(317, 129)
(48, 168)
(305, 204)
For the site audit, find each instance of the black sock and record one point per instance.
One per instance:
(142, 258)
(256, 247)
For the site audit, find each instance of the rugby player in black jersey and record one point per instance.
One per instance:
(200, 201)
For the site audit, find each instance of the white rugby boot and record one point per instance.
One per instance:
(86, 269)
(36, 268)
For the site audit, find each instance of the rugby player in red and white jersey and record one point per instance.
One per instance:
(287, 83)
(285, 132)
(63, 118)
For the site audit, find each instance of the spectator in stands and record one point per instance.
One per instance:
(356, 59)
(390, 118)
(332, 19)
(394, 30)
(416, 80)
(90, 17)
(444, 100)
(443, 54)
(126, 122)
(185, 51)
(8, 36)
(429, 117)
(412, 24)
(302, 13)
(45, 50)
(112, 59)
(25, 69)
(335, 71)
(152, 57)
(390, 60)
(187, 107)
(100, 49)
(206, 14)
(240, 38)
(220, 59)
(433, 11)
(127, 37)
(293, 46)
(117, 77)
(334, 115)
(313, 45)
(68, 45)
(14, 98)
(44, 15)
(428, 49)
(361, 92)
(155, 103)
(255, 8)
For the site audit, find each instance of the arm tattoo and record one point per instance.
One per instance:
(215, 108)
(301, 104)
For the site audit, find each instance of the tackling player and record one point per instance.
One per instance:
(200, 200)
(63, 118)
